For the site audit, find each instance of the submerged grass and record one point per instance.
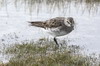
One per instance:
(51, 5)
(46, 53)
(90, 5)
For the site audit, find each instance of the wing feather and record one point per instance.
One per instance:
(55, 22)
(37, 24)
(51, 23)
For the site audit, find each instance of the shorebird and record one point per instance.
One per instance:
(58, 26)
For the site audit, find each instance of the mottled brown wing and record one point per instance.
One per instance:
(37, 24)
(51, 23)
(54, 22)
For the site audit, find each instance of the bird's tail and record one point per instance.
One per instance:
(37, 23)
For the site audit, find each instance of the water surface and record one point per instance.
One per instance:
(14, 27)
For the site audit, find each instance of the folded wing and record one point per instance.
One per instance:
(37, 24)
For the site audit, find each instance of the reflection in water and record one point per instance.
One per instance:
(90, 5)
(52, 5)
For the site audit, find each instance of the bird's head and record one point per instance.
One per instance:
(69, 22)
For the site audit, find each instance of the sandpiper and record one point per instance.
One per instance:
(58, 26)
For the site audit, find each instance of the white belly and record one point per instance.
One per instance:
(56, 32)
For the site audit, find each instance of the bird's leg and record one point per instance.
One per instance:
(56, 41)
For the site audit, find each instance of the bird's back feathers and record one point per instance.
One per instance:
(51, 23)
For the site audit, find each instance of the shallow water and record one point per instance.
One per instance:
(15, 28)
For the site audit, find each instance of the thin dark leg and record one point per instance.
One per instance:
(56, 41)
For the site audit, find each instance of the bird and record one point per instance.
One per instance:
(58, 26)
